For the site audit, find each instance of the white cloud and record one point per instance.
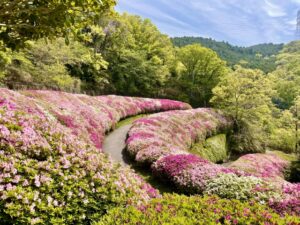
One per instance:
(273, 10)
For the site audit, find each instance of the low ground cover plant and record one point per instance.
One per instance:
(183, 210)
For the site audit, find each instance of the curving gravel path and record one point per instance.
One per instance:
(114, 144)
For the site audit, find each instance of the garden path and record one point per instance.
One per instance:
(114, 144)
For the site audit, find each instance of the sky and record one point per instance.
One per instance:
(239, 22)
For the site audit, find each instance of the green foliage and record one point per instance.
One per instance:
(201, 71)
(245, 94)
(287, 75)
(55, 65)
(213, 149)
(139, 55)
(283, 133)
(183, 210)
(260, 56)
(231, 186)
(31, 20)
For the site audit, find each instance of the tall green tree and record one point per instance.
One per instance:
(287, 75)
(139, 56)
(23, 20)
(201, 71)
(246, 94)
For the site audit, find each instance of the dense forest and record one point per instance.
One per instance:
(89, 48)
(261, 56)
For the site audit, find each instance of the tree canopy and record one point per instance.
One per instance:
(246, 94)
(202, 69)
(23, 20)
(260, 56)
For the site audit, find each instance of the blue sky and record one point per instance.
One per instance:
(240, 22)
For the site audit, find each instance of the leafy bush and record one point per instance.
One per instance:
(213, 149)
(283, 139)
(182, 210)
(231, 186)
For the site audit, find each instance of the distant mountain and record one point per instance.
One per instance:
(260, 56)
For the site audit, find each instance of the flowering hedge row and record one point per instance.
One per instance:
(194, 175)
(54, 174)
(172, 132)
(91, 117)
(269, 166)
(182, 210)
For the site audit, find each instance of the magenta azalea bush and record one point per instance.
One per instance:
(51, 169)
(172, 132)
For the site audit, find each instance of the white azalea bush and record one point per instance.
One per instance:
(232, 186)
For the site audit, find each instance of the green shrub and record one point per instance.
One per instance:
(283, 139)
(213, 149)
(184, 210)
(231, 186)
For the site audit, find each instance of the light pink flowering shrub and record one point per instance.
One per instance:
(290, 202)
(172, 132)
(269, 166)
(91, 117)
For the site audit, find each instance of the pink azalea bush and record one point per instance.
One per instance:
(290, 202)
(51, 169)
(172, 132)
(268, 166)
(188, 172)
(91, 117)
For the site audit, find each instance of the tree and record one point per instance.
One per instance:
(202, 70)
(287, 75)
(23, 20)
(245, 94)
(296, 112)
(139, 56)
(260, 56)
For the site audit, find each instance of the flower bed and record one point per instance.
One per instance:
(91, 117)
(172, 132)
(50, 169)
(181, 210)
(194, 175)
(163, 141)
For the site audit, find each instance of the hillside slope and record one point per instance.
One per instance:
(260, 56)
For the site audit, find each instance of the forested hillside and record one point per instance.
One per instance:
(260, 56)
